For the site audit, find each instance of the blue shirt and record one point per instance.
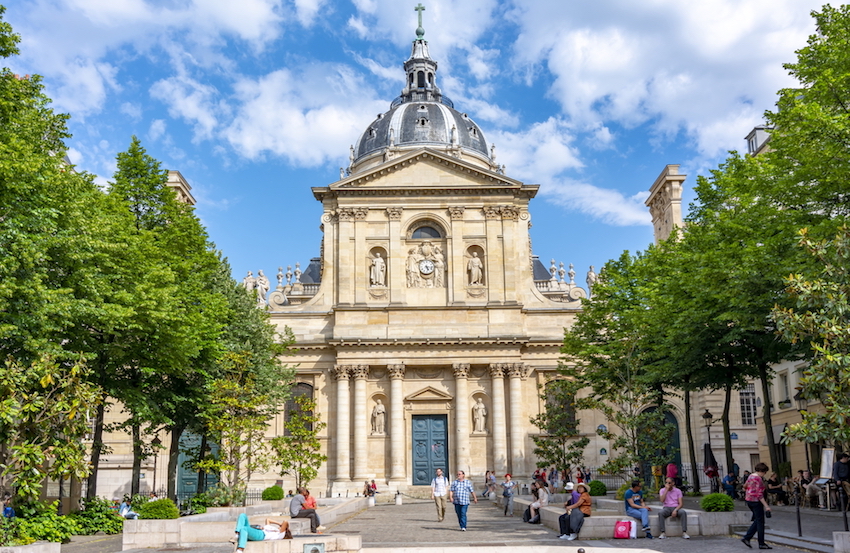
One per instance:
(637, 497)
(462, 492)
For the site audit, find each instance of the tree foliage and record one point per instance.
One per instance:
(559, 443)
(299, 451)
(820, 316)
(43, 419)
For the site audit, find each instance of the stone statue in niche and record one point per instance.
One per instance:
(426, 266)
(263, 285)
(379, 418)
(378, 271)
(476, 270)
(479, 416)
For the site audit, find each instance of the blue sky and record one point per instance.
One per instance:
(257, 101)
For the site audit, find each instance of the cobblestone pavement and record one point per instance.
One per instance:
(414, 524)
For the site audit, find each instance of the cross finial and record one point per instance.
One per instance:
(420, 32)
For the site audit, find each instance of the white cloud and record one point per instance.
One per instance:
(608, 205)
(306, 10)
(539, 153)
(156, 130)
(132, 110)
(680, 66)
(191, 101)
(307, 116)
(358, 26)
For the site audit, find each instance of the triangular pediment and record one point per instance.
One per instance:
(429, 394)
(467, 173)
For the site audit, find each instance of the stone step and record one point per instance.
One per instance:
(805, 543)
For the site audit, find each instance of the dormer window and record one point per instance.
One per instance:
(372, 132)
(423, 122)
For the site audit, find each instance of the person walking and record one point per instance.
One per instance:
(439, 490)
(754, 496)
(508, 493)
(460, 493)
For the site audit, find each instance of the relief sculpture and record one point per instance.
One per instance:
(426, 266)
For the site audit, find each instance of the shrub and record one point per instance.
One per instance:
(597, 488)
(223, 496)
(10, 532)
(717, 502)
(159, 509)
(98, 516)
(273, 493)
(621, 491)
(139, 500)
(48, 525)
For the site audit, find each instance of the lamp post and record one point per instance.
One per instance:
(156, 442)
(802, 404)
(708, 419)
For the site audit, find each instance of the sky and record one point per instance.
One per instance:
(257, 101)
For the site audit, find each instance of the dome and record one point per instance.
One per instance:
(421, 124)
(421, 117)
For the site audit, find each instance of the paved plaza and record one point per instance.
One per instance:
(414, 525)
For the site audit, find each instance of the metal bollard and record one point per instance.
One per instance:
(398, 498)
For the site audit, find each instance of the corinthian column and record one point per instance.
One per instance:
(500, 439)
(343, 431)
(397, 471)
(517, 373)
(461, 372)
(361, 417)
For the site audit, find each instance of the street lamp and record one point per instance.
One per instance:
(156, 442)
(802, 405)
(708, 419)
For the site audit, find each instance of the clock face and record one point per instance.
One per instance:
(426, 266)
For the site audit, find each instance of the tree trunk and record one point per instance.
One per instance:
(766, 416)
(96, 448)
(173, 458)
(727, 433)
(137, 460)
(202, 452)
(691, 449)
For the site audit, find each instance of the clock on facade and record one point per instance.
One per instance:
(426, 266)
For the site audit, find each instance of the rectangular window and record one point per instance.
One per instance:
(785, 390)
(748, 405)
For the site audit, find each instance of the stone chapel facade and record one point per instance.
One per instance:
(427, 338)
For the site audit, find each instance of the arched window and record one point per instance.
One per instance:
(426, 232)
(420, 78)
(300, 389)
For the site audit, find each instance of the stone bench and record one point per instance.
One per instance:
(216, 525)
(606, 513)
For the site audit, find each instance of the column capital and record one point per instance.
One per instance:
(497, 370)
(396, 371)
(456, 213)
(341, 372)
(394, 213)
(359, 372)
(461, 370)
(517, 370)
(345, 214)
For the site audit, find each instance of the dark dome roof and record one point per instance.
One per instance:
(424, 123)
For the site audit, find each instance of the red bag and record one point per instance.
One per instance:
(623, 530)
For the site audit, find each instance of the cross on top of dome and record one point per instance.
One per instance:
(420, 31)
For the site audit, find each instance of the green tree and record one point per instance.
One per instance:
(819, 315)
(607, 352)
(559, 442)
(43, 420)
(298, 452)
(812, 129)
(171, 357)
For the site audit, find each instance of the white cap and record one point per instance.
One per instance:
(569, 486)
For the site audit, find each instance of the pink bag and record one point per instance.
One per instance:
(623, 529)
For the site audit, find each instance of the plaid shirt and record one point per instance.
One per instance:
(461, 492)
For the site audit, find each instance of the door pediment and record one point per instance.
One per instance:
(429, 394)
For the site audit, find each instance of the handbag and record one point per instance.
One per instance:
(622, 528)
